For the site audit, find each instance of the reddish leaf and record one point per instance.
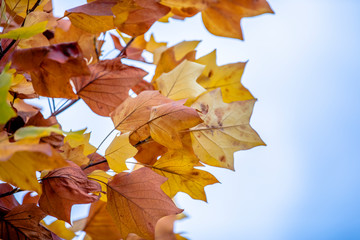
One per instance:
(65, 187)
(136, 202)
(108, 85)
(142, 86)
(30, 199)
(100, 162)
(51, 68)
(22, 223)
(131, 53)
(7, 202)
(135, 112)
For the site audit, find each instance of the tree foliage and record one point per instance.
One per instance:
(193, 112)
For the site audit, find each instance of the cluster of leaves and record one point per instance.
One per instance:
(193, 112)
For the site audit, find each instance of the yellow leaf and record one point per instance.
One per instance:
(6, 110)
(36, 132)
(180, 83)
(21, 7)
(58, 227)
(25, 160)
(94, 17)
(78, 138)
(76, 155)
(226, 77)
(169, 58)
(226, 129)
(25, 32)
(103, 179)
(118, 151)
(178, 167)
(223, 18)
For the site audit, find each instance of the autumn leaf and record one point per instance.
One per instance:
(223, 18)
(226, 129)
(226, 77)
(29, 198)
(135, 17)
(102, 178)
(22, 87)
(58, 227)
(108, 85)
(168, 119)
(67, 32)
(21, 7)
(22, 222)
(186, 8)
(51, 68)
(36, 132)
(135, 112)
(118, 151)
(31, 158)
(131, 52)
(80, 138)
(75, 155)
(167, 59)
(93, 17)
(7, 202)
(25, 32)
(180, 83)
(99, 223)
(149, 151)
(178, 167)
(136, 202)
(65, 187)
(6, 110)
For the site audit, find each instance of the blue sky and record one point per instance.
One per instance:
(304, 68)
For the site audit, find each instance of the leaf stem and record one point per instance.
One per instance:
(122, 52)
(60, 110)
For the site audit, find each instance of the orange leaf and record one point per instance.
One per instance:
(51, 68)
(22, 222)
(65, 187)
(31, 158)
(136, 202)
(167, 120)
(108, 85)
(135, 17)
(223, 18)
(100, 223)
(135, 112)
(93, 17)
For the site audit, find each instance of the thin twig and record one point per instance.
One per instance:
(15, 190)
(122, 52)
(60, 110)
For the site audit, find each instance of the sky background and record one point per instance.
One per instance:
(304, 69)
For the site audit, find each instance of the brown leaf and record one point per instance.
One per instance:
(30, 199)
(135, 112)
(65, 187)
(8, 202)
(135, 17)
(22, 223)
(100, 161)
(131, 53)
(108, 85)
(142, 86)
(51, 68)
(136, 202)
(67, 32)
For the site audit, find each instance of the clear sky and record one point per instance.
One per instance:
(304, 68)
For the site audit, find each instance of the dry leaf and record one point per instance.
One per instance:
(136, 202)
